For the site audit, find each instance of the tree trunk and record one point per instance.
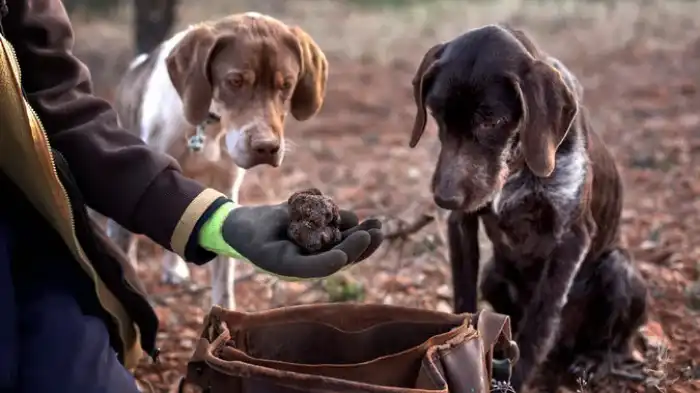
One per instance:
(152, 23)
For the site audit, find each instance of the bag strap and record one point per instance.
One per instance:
(495, 330)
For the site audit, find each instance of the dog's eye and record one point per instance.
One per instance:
(213, 118)
(286, 85)
(492, 123)
(235, 81)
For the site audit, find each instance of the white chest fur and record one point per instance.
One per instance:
(561, 189)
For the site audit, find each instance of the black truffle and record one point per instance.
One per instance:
(314, 220)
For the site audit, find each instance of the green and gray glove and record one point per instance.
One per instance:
(259, 234)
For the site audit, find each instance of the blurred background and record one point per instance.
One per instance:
(639, 62)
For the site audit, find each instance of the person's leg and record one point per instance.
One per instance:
(64, 350)
(8, 314)
(64, 346)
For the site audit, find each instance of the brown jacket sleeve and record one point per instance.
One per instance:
(118, 175)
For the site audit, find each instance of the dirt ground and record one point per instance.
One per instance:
(640, 66)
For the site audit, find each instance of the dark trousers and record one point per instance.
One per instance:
(52, 339)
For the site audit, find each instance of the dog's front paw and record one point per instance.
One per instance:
(594, 368)
(585, 370)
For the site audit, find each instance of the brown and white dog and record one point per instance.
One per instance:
(215, 97)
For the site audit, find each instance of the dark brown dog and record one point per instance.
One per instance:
(518, 152)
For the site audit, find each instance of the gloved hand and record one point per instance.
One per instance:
(259, 234)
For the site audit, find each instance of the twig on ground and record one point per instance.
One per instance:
(408, 229)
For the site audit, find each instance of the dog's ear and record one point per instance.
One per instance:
(568, 77)
(424, 73)
(310, 90)
(548, 111)
(524, 40)
(188, 67)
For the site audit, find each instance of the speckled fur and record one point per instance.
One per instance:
(519, 156)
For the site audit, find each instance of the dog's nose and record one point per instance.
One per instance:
(449, 201)
(265, 150)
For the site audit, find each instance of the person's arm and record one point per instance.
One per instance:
(118, 175)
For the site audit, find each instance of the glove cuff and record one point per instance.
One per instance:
(210, 235)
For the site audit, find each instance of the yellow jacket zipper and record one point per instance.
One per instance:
(16, 68)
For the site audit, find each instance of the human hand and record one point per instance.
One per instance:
(259, 234)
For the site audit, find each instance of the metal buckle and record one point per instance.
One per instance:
(502, 369)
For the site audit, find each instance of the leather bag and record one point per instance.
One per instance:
(351, 348)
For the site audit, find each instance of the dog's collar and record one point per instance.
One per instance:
(196, 142)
